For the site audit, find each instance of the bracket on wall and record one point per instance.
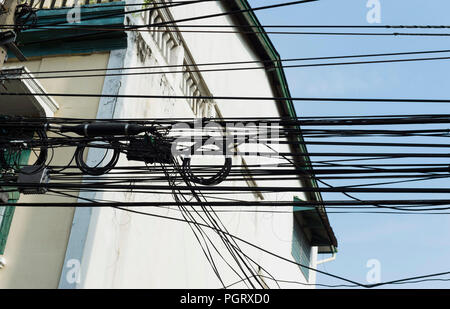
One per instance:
(8, 39)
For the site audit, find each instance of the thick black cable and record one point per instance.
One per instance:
(287, 26)
(240, 68)
(292, 262)
(267, 211)
(94, 6)
(138, 28)
(108, 15)
(167, 23)
(247, 62)
(312, 204)
(225, 240)
(181, 207)
(247, 98)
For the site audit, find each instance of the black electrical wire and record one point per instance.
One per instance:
(342, 204)
(231, 252)
(24, 15)
(345, 192)
(207, 254)
(136, 169)
(246, 98)
(324, 26)
(237, 167)
(399, 281)
(299, 283)
(382, 171)
(424, 170)
(231, 188)
(182, 208)
(239, 68)
(41, 123)
(53, 142)
(59, 193)
(100, 30)
(405, 280)
(107, 5)
(272, 6)
(244, 177)
(15, 150)
(288, 26)
(255, 139)
(246, 62)
(108, 15)
(227, 168)
(95, 170)
(206, 250)
(167, 23)
(179, 143)
(407, 178)
(339, 285)
(186, 173)
(241, 240)
(235, 254)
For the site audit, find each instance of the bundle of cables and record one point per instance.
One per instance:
(152, 147)
(96, 170)
(146, 149)
(13, 152)
(25, 17)
(186, 173)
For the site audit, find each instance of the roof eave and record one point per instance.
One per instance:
(265, 49)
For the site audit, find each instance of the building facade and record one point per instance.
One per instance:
(104, 247)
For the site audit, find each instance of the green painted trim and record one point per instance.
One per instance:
(74, 48)
(45, 41)
(46, 17)
(301, 208)
(6, 225)
(301, 248)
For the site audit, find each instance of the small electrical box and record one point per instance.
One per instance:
(33, 175)
(149, 150)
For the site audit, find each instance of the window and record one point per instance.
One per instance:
(301, 248)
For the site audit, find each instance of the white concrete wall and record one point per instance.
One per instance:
(129, 250)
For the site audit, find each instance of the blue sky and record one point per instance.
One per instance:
(405, 245)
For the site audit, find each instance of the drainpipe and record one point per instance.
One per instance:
(332, 258)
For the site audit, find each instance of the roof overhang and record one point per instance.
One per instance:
(19, 80)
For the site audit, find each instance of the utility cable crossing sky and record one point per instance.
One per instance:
(393, 162)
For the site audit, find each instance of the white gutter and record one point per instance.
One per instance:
(332, 258)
